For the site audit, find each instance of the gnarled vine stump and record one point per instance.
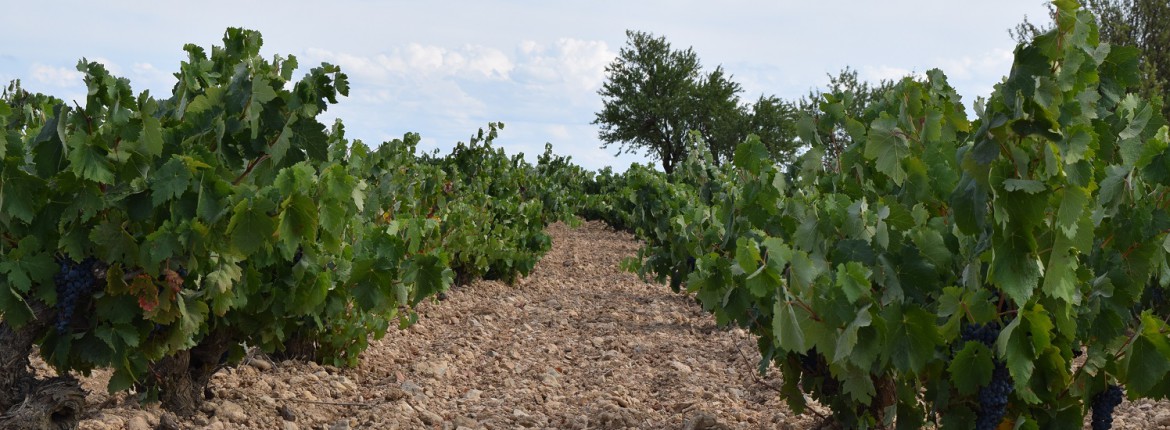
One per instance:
(182, 378)
(28, 403)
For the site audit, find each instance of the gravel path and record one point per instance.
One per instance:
(579, 344)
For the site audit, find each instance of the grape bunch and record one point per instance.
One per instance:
(298, 256)
(982, 333)
(75, 282)
(993, 399)
(1153, 299)
(810, 361)
(1103, 405)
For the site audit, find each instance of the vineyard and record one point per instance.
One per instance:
(913, 268)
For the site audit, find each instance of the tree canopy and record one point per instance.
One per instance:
(1143, 24)
(655, 95)
(846, 96)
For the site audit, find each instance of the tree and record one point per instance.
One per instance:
(846, 96)
(655, 95)
(774, 121)
(644, 98)
(1138, 23)
(716, 114)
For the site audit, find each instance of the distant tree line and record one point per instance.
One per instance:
(655, 95)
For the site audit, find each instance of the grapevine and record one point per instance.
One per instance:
(226, 216)
(1031, 231)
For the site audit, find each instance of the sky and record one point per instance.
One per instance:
(444, 69)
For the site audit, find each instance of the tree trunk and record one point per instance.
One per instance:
(30, 403)
(669, 155)
(182, 378)
(887, 395)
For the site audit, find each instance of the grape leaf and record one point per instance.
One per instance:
(250, 228)
(913, 337)
(297, 223)
(1148, 358)
(170, 181)
(21, 194)
(886, 144)
(971, 368)
(86, 162)
(853, 279)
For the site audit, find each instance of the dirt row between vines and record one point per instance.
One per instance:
(579, 344)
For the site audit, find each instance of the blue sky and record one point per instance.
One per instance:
(444, 69)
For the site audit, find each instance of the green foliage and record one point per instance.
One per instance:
(229, 208)
(847, 96)
(1045, 216)
(654, 96)
(1137, 23)
(494, 229)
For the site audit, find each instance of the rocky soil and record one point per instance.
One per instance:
(579, 344)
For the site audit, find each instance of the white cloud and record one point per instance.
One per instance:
(145, 75)
(61, 77)
(428, 61)
(578, 63)
(994, 63)
(558, 131)
(877, 74)
(542, 91)
(491, 62)
(111, 67)
(427, 144)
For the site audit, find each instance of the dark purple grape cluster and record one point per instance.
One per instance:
(298, 256)
(993, 399)
(1157, 294)
(75, 282)
(1103, 405)
(982, 333)
(810, 361)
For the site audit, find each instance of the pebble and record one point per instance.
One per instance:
(551, 378)
(412, 388)
(429, 418)
(405, 408)
(231, 412)
(473, 394)
(1162, 419)
(435, 369)
(465, 422)
(114, 421)
(286, 413)
(260, 364)
(138, 423)
(680, 367)
(168, 422)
